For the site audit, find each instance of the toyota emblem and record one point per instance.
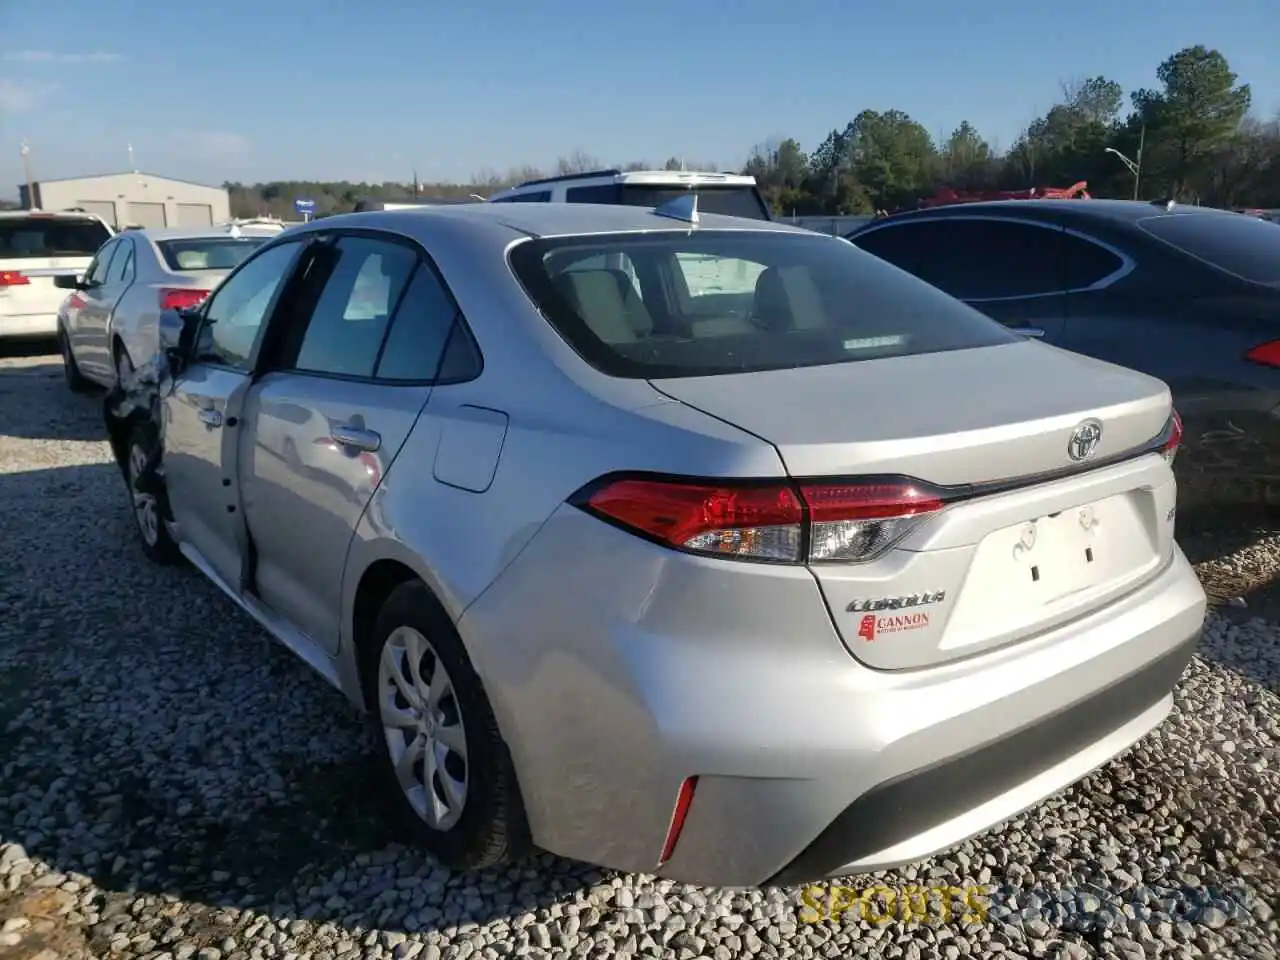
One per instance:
(1084, 440)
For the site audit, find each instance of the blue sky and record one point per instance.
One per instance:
(279, 89)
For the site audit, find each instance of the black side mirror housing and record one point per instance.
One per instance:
(68, 282)
(178, 330)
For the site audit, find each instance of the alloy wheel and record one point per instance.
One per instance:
(145, 509)
(422, 722)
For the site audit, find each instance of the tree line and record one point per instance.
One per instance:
(1190, 138)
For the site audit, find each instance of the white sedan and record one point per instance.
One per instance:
(110, 323)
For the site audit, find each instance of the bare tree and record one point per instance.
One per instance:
(576, 162)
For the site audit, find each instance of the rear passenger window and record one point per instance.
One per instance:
(537, 196)
(975, 259)
(461, 361)
(597, 193)
(365, 279)
(100, 269)
(122, 267)
(894, 244)
(1087, 263)
(419, 331)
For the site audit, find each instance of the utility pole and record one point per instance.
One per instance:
(1137, 173)
(131, 163)
(1134, 167)
(25, 150)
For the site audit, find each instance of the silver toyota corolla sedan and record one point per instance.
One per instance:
(703, 547)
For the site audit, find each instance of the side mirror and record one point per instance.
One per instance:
(170, 329)
(177, 329)
(68, 282)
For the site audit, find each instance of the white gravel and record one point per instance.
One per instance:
(174, 786)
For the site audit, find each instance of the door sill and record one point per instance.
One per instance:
(297, 642)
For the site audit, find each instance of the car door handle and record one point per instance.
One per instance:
(358, 437)
(210, 417)
(1031, 333)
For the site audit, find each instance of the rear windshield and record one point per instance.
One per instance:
(729, 201)
(677, 304)
(1242, 245)
(50, 237)
(207, 253)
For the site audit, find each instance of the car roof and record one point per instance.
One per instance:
(646, 177)
(1117, 212)
(543, 220)
(49, 215)
(198, 233)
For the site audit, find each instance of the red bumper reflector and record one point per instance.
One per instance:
(1268, 354)
(684, 799)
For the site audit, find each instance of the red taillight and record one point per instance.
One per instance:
(1173, 437)
(779, 522)
(12, 278)
(181, 298)
(684, 799)
(1268, 354)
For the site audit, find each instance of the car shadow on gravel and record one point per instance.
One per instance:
(57, 414)
(156, 742)
(1208, 533)
(1236, 552)
(17, 348)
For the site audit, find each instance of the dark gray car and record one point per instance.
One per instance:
(1188, 294)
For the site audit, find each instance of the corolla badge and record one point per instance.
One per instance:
(905, 602)
(1084, 440)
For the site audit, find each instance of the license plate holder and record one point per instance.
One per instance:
(1062, 553)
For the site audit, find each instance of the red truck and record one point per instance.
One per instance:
(946, 195)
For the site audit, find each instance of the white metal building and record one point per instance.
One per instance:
(134, 199)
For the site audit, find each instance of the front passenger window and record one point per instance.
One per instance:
(238, 308)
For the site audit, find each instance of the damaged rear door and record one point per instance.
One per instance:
(336, 393)
(202, 412)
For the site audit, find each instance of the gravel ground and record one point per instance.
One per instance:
(174, 786)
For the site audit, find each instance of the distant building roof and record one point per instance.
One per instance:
(128, 173)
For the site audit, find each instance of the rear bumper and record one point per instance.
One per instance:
(942, 797)
(28, 324)
(617, 669)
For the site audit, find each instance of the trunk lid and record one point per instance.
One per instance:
(960, 417)
(999, 564)
(193, 279)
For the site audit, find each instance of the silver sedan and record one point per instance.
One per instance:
(697, 546)
(109, 323)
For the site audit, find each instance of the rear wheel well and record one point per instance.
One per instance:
(376, 584)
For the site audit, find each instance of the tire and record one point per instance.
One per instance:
(148, 508)
(487, 828)
(76, 381)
